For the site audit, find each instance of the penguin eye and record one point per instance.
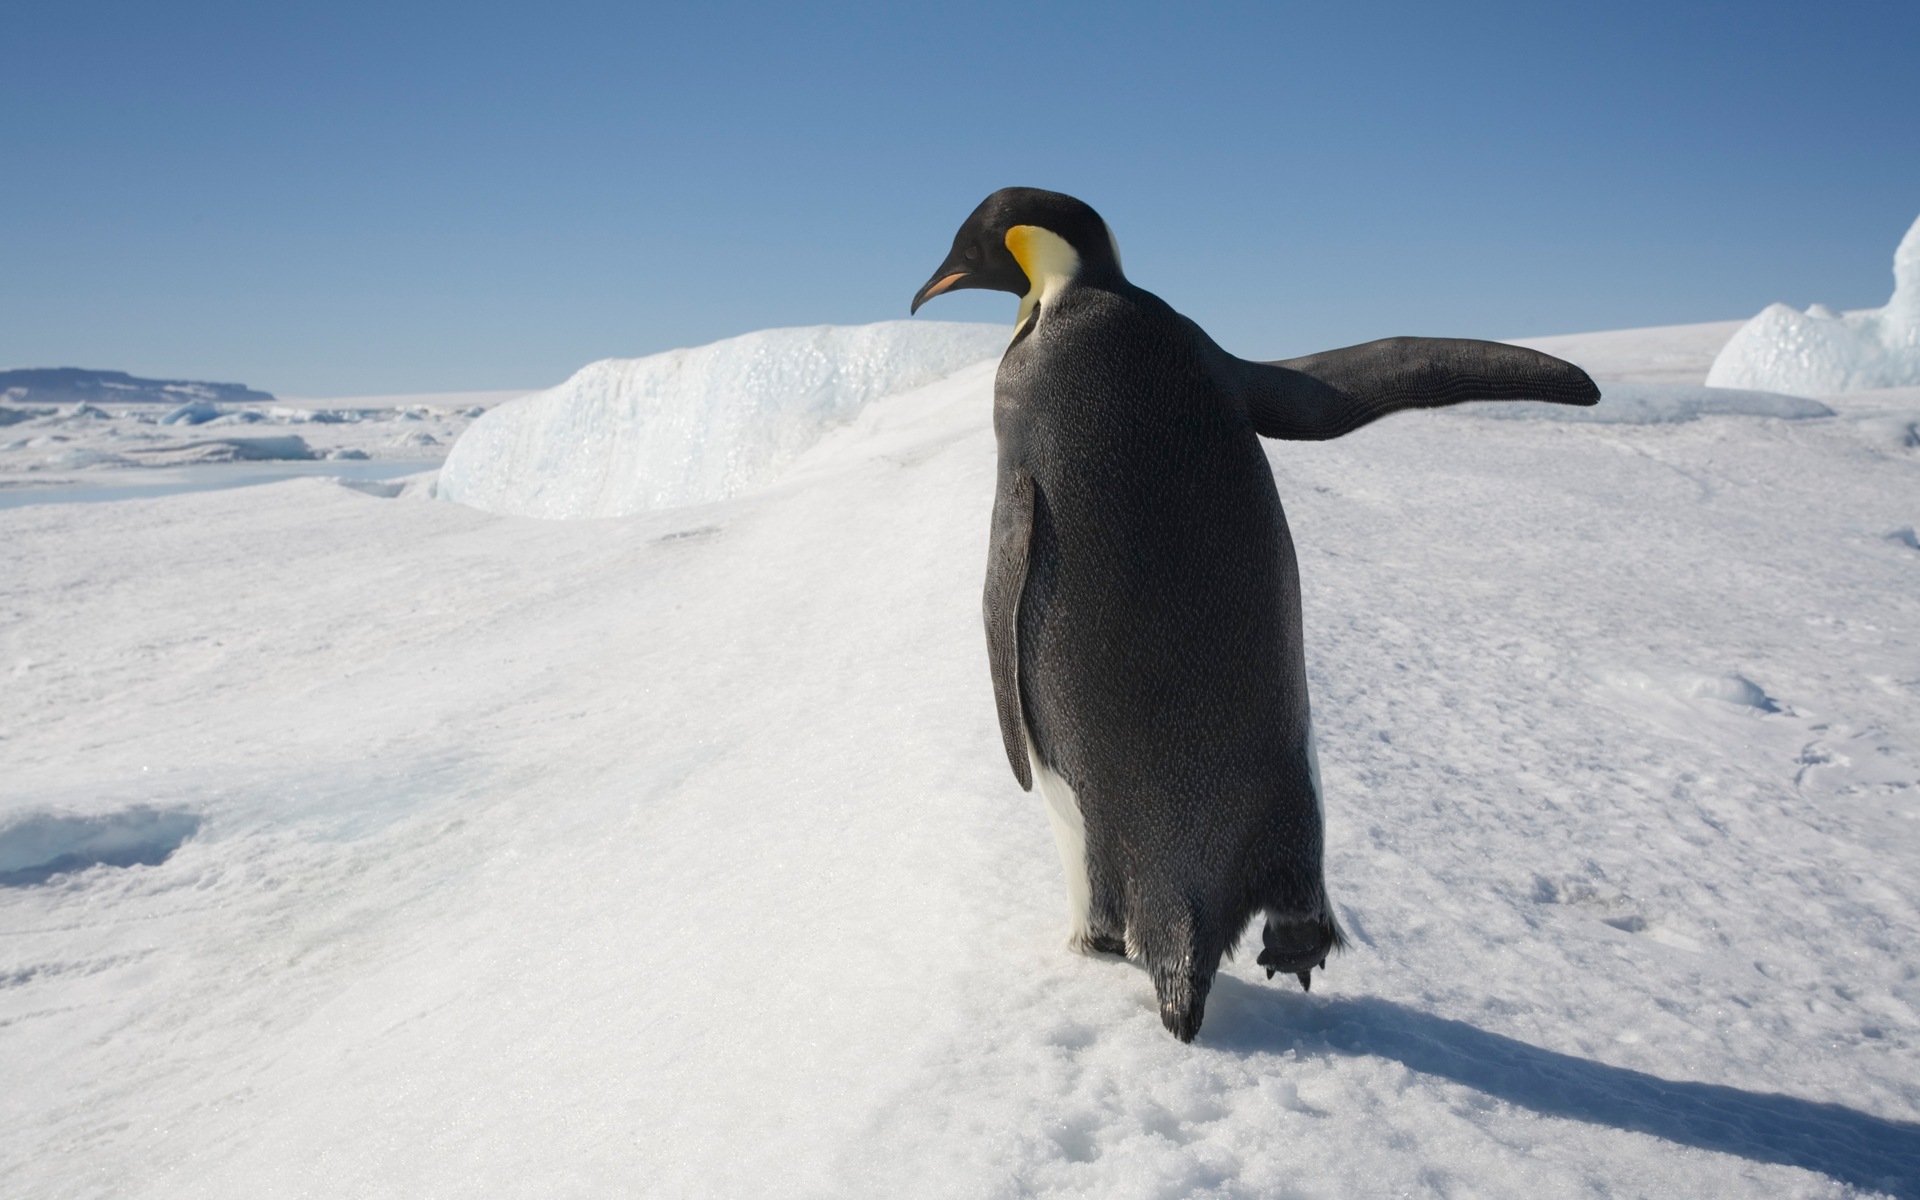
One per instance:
(973, 254)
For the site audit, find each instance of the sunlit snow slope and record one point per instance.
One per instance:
(676, 855)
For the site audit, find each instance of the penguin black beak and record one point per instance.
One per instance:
(942, 281)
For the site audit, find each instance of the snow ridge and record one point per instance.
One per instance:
(624, 436)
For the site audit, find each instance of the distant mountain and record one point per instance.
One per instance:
(75, 385)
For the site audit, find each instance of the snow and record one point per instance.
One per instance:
(1676, 354)
(1819, 350)
(1658, 404)
(676, 854)
(623, 436)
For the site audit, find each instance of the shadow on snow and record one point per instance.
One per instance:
(1850, 1146)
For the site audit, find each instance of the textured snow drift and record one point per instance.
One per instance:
(624, 436)
(676, 855)
(1820, 351)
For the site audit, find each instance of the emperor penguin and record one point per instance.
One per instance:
(1142, 599)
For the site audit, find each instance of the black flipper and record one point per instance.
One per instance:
(1006, 579)
(1335, 392)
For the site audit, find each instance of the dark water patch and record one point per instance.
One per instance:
(37, 845)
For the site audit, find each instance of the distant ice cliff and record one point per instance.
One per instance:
(76, 385)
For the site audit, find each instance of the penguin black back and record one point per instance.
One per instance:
(1142, 600)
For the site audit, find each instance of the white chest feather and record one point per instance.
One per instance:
(1070, 838)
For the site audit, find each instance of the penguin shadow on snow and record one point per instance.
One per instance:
(1853, 1147)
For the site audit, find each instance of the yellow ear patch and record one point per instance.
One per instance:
(1050, 264)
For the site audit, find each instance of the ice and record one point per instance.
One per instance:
(624, 436)
(76, 451)
(1820, 351)
(194, 412)
(208, 450)
(677, 855)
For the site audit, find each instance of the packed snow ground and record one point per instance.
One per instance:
(676, 855)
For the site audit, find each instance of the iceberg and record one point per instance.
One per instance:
(1820, 351)
(624, 436)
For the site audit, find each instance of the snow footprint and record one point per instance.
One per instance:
(1842, 762)
(1610, 907)
(1689, 688)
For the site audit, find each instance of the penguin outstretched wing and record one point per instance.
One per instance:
(1006, 580)
(1335, 392)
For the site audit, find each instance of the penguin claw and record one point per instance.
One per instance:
(1306, 981)
(1269, 972)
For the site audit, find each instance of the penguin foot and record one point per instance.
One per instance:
(1305, 977)
(1297, 947)
(1097, 944)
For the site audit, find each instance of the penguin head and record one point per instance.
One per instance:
(1028, 242)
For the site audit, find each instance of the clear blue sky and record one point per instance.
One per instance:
(352, 197)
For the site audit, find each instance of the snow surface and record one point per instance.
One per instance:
(1677, 354)
(1658, 404)
(676, 855)
(623, 436)
(1816, 351)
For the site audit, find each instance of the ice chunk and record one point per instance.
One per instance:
(195, 412)
(68, 458)
(212, 450)
(687, 426)
(1785, 350)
